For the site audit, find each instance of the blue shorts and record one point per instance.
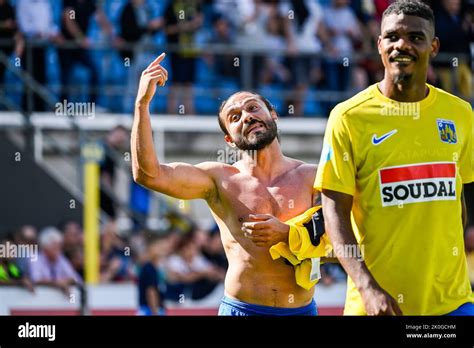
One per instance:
(146, 311)
(234, 308)
(465, 309)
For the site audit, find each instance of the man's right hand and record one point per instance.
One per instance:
(154, 74)
(379, 302)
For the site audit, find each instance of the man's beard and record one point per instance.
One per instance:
(259, 140)
(402, 78)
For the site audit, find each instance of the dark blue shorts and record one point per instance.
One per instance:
(465, 309)
(231, 307)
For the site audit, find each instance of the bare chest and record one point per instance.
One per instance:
(284, 199)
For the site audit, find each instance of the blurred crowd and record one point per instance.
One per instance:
(179, 263)
(305, 55)
(186, 262)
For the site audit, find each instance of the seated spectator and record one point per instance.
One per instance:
(73, 245)
(189, 273)
(72, 237)
(76, 258)
(52, 268)
(151, 285)
(11, 274)
(26, 235)
(116, 261)
(469, 244)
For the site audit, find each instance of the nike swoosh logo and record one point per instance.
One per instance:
(378, 140)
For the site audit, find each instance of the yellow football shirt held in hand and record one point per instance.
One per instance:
(305, 247)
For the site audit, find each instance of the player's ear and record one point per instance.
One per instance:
(435, 44)
(229, 141)
(274, 115)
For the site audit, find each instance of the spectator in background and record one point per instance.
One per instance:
(75, 20)
(455, 30)
(151, 284)
(52, 268)
(213, 251)
(9, 33)
(137, 25)
(237, 12)
(186, 268)
(73, 245)
(116, 141)
(182, 20)
(368, 68)
(344, 32)
(11, 274)
(332, 273)
(26, 235)
(274, 69)
(72, 236)
(35, 19)
(222, 63)
(253, 35)
(469, 244)
(116, 260)
(306, 35)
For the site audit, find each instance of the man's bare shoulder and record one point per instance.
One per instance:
(213, 167)
(308, 170)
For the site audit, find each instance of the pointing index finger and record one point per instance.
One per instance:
(158, 60)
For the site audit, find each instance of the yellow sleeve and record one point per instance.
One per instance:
(299, 240)
(336, 170)
(466, 159)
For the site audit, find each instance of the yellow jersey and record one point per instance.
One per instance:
(405, 165)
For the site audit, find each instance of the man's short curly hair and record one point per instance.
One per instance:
(410, 8)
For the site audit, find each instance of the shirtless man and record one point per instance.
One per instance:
(247, 199)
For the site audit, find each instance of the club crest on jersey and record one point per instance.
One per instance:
(447, 131)
(416, 183)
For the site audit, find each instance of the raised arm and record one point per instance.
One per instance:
(180, 180)
(337, 215)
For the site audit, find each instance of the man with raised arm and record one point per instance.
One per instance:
(247, 199)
